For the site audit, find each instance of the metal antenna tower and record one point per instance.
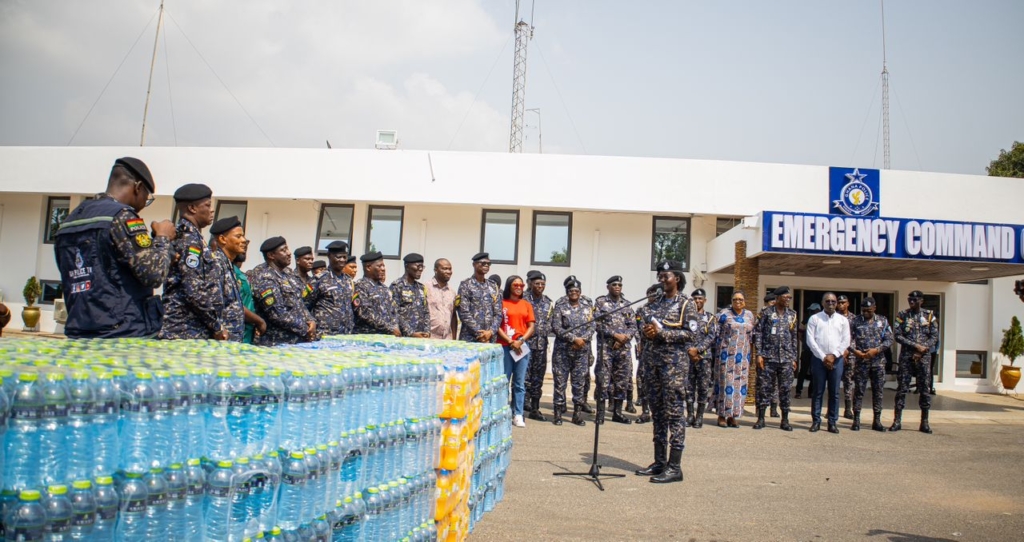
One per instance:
(885, 99)
(152, 64)
(524, 33)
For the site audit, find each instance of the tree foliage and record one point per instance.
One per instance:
(560, 256)
(671, 246)
(1013, 341)
(1009, 163)
(32, 291)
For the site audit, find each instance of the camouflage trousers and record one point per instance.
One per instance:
(536, 370)
(569, 365)
(614, 373)
(761, 378)
(873, 372)
(777, 377)
(667, 387)
(642, 393)
(910, 369)
(850, 365)
(586, 375)
(698, 382)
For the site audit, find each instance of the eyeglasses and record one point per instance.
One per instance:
(151, 198)
(615, 284)
(484, 264)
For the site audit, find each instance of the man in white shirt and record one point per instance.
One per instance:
(828, 337)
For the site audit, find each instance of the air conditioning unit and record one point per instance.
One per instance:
(60, 311)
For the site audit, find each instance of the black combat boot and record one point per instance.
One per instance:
(925, 428)
(629, 401)
(535, 413)
(558, 415)
(527, 404)
(577, 416)
(586, 408)
(689, 414)
(897, 418)
(645, 414)
(672, 472)
(775, 410)
(848, 411)
(876, 425)
(856, 421)
(785, 421)
(617, 416)
(760, 418)
(698, 420)
(658, 466)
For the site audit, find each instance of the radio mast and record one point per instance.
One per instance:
(887, 164)
(524, 33)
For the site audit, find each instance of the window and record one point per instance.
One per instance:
(723, 225)
(384, 231)
(227, 209)
(971, 364)
(499, 235)
(57, 209)
(671, 241)
(335, 225)
(723, 297)
(52, 289)
(552, 238)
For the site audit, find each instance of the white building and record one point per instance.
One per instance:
(591, 216)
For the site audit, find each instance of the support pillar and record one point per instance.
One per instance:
(747, 277)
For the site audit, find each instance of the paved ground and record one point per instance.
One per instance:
(962, 483)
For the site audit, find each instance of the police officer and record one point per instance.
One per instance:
(478, 303)
(775, 339)
(351, 267)
(375, 309)
(330, 302)
(616, 326)
(573, 324)
(769, 305)
(701, 357)
(849, 360)
(411, 297)
(195, 294)
(109, 264)
(228, 236)
(304, 264)
(228, 242)
(870, 337)
(590, 355)
(917, 331)
(538, 342)
(671, 328)
(319, 268)
(277, 294)
(642, 353)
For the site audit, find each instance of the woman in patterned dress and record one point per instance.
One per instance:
(735, 337)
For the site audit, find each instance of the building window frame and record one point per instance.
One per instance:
(984, 364)
(217, 216)
(568, 240)
(483, 235)
(50, 228)
(401, 228)
(320, 222)
(51, 290)
(654, 235)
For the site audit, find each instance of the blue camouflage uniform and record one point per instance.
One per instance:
(198, 291)
(668, 367)
(569, 322)
(642, 355)
(278, 296)
(700, 371)
(614, 366)
(920, 328)
(775, 339)
(864, 335)
(413, 309)
(538, 343)
(479, 306)
(330, 303)
(850, 363)
(375, 309)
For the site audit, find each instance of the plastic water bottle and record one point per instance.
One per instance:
(218, 400)
(131, 525)
(258, 393)
(374, 515)
(195, 495)
(270, 415)
(312, 501)
(293, 482)
(107, 503)
(272, 480)
(83, 506)
(163, 419)
(275, 535)
(361, 442)
(58, 514)
(177, 489)
(324, 403)
(334, 455)
(323, 483)
(106, 445)
(138, 435)
(311, 410)
(378, 388)
(196, 413)
(8, 500)
(240, 502)
(374, 462)
(321, 529)
(294, 412)
(21, 466)
(218, 501)
(238, 413)
(156, 503)
(181, 441)
(26, 520)
(80, 434)
(52, 456)
(338, 397)
(355, 529)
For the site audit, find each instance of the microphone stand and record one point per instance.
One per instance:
(594, 474)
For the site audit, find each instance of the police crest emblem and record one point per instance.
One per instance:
(858, 196)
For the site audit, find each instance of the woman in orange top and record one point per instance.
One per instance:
(512, 335)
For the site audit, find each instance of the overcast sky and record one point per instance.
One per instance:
(781, 81)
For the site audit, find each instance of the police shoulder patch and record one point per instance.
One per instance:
(143, 240)
(458, 300)
(135, 225)
(192, 261)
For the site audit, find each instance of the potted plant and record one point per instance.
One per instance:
(30, 314)
(1012, 348)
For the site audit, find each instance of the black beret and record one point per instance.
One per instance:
(570, 284)
(138, 169)
(916, 293)
(534, 274)
(496, 279)
(337, 246)
(842, 297)
(770, 297)
(614, 278)
(303, 251)
(867, 302)
(272, 244)
(192, 192)
(225, 225)
(481, 256)
(371, 257)
(655, 287)
(670, 265)
(351, 259)
(570, 278)
(319, 264)
(782, 290)
(699, 292)
(412, 257)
